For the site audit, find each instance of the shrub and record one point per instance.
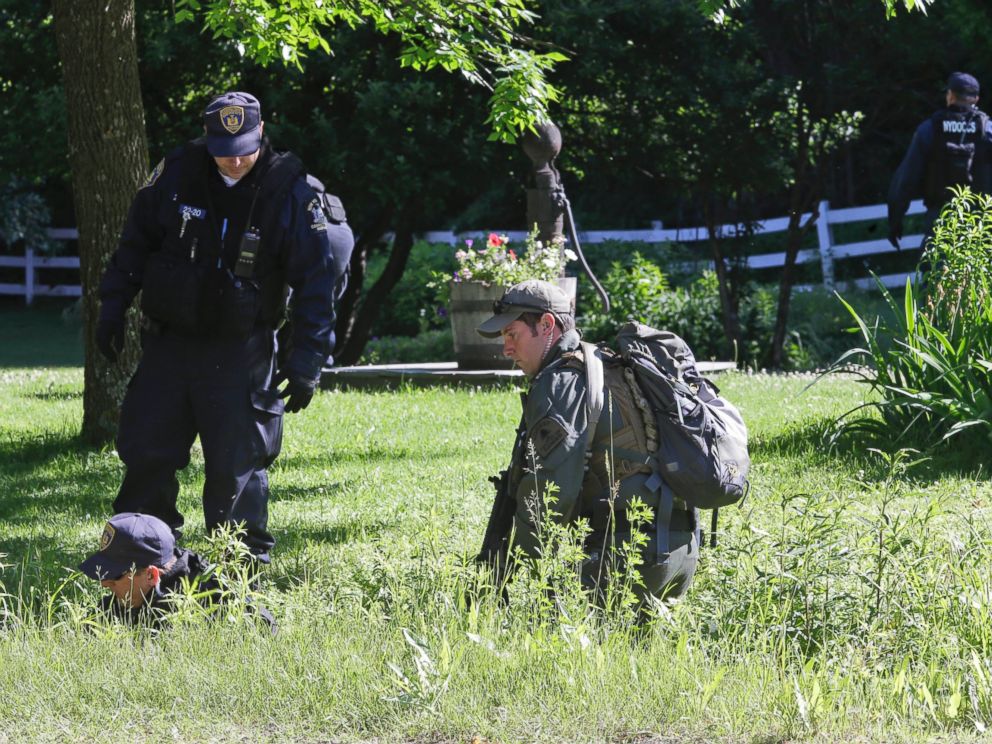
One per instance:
(434, 345)
(413, 304)
(929, 364)
(24, 220)
(640, 290)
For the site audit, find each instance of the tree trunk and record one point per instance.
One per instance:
(108, 156)
(349, 306)
(803, 196)
(351, 352)
(728, 295)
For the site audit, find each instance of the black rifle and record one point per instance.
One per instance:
(494, 542)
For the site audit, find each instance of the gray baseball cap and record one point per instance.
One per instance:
(531, 296)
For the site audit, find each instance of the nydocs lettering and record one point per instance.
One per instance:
(959, 127)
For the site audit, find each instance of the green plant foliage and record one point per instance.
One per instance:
(480, 40)
(434, 345)
(847, 601)
(24, 220)
(929, 364)
(640, 290)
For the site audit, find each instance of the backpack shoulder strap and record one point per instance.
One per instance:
(595, 391)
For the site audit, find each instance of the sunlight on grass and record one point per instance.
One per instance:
(848, 599)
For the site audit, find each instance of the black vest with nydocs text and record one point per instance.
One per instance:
(958, 133)
(220, 271)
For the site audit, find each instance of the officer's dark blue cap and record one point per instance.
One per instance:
(234, 125)
(963, 84)
(130, 540)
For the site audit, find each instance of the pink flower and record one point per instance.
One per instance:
(494, 240)
(513, 256)
(461, 255)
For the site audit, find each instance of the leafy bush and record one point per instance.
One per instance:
(640, 290)
(930, 364)
(24, 220)
(413, 304)
(434, 345)
(644, 285)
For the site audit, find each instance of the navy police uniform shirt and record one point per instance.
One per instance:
(908, 182)
(304, 249)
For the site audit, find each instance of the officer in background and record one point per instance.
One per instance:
(537, 324)
(223, 230)
(949, 149)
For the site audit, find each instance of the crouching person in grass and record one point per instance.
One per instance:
(557, 478)
(149, 577)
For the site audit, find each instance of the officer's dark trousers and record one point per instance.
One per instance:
(218, 389)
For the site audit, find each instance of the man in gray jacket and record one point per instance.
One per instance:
(596, 481)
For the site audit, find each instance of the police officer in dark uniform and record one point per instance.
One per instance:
(951, 148)
(222, 232)
(141, 566)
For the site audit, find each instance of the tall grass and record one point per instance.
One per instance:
(850, 597)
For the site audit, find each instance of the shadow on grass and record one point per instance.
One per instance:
(814, 440)
(35, 448)
(40, 562)
(302, 494)
(810, 439)
(37, 482)
(38, 336)
(370, 455)
(57, 395)
(297, 536)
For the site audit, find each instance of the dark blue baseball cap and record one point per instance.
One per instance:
(234, 125)
(130, 540)
(963, 84)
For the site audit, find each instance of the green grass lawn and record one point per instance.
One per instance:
(848, 599)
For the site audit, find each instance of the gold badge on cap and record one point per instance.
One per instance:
(107, 537)
(233, 118)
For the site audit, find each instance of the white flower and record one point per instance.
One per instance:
(570, 255)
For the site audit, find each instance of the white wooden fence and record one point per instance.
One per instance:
(826, 253)
(32, 264)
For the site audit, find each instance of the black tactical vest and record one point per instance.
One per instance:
(192, 285)
(957, 148)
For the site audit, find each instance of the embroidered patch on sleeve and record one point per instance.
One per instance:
(153, 176)
(547, 435)
(318, 221)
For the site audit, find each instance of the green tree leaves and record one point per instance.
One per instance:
(480, 39)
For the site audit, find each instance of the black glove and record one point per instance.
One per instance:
(297, 393)
(110, 337)
(895, 233)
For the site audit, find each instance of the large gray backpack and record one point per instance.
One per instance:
(702, 452)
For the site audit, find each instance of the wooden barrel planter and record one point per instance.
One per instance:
(471, 304)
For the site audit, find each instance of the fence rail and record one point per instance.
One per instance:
(33, 263)
(826, 253)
